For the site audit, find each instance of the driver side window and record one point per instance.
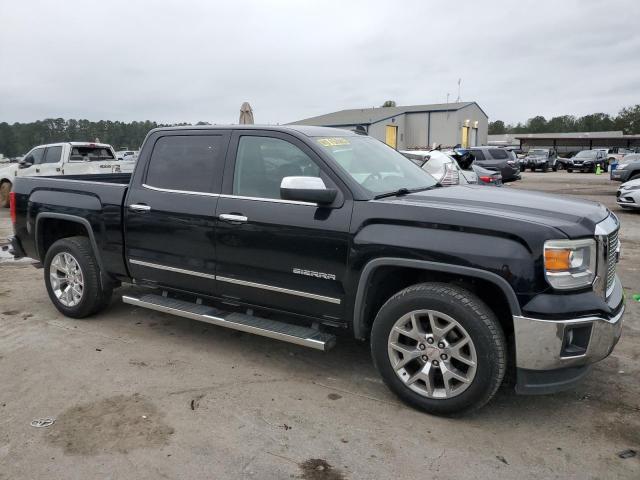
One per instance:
(35, 157)
(262, 163)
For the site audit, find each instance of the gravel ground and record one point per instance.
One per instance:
(139, 394)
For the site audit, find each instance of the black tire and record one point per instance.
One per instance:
(473, 315)
(533, 169)
(545, 168)
(5, 189)
(558, 167)
(522, 168)
(555, 168)
(94, 296)
(605, 167)
(570, 170)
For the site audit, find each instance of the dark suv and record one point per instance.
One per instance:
(541, 158)
(499, 160)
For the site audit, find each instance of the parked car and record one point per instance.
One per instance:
(68, 158)
(448, 171)
(588, 160)
(627, 169)
(563, 163)
(293, 231)
(615, 154)
(540, 158)
(628, 195)
(499, 160)
(473, 172)
(440, 166)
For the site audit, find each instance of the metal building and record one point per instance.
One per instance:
(573, 142)
(415, 126)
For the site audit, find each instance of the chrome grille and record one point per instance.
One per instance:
(612, 258)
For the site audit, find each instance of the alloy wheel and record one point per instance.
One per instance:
(67, 280)
(432, 354)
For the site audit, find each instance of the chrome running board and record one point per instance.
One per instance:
(299, 335)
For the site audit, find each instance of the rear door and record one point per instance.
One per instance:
(170, 209)
(52, 161)
(276, 253)
(89, 159)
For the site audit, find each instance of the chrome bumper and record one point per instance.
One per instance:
(541, 344)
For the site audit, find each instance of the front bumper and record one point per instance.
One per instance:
(547, 344)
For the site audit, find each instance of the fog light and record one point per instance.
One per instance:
(576, 340)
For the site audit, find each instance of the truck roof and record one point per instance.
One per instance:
(309, 131)
(75, 144)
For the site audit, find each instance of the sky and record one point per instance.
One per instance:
(192, 60)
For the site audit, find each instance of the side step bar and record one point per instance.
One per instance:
(305, 336)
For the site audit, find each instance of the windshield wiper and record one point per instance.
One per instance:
(404, 191)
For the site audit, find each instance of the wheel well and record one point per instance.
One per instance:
(389, 280)
(50, 230)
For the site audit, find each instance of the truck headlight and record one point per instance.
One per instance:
(570, 263)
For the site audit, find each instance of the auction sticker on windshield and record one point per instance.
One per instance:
(333, 142)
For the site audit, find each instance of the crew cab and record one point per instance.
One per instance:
(299, 233)
(67, 158)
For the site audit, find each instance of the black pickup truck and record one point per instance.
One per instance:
(296, 233)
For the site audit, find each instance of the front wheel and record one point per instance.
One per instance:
(5, 189)
(72, 277)
(439, 348)
(570, 170)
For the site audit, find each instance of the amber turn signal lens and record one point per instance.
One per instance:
(557, 260)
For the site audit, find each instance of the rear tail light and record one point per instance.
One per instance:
(485, 179)
(12, 206)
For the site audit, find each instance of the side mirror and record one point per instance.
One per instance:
(24, 164)
(307, 189)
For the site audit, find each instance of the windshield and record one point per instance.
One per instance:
(538, 152)
(374, 165)
(586, 154)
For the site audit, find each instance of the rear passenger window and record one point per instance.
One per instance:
(186, 162)
(262, 163)
(478, 154)
(498, 154)
(53, 155)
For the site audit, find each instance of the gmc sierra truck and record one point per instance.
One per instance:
(296, 233)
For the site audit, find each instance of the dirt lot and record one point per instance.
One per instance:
(139, 394)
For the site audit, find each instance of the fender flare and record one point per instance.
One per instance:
(359, 329)
(70, 218)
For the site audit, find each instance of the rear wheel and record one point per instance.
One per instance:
(72, 277)
(439, 348)
(5, 189)
(545, 168)
(570, 170)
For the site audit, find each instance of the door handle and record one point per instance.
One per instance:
(37, 170)
(139, 207)
(228, 217)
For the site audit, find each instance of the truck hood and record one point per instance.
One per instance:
(573, 217)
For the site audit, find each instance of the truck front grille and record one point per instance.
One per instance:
(612, 258)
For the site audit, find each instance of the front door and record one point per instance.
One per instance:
(170, 210)
(276, 253)
(391, 136)
(35, 158)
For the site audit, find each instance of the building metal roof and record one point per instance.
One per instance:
(571, 135)
(367, 116)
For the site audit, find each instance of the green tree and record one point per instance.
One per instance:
(389, 103)
(628, 120)
(497, 128)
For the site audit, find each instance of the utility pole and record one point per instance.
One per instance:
(459, 82)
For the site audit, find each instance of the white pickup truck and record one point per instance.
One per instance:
(67, 158)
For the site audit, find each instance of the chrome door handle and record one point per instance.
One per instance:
(139, 207)
(228, 217)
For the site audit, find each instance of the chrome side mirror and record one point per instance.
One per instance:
(307, 189)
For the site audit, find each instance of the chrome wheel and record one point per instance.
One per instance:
(67, 281)
(432, 354)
